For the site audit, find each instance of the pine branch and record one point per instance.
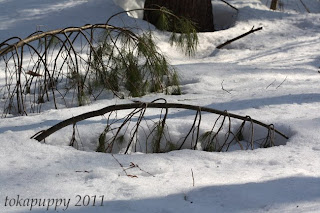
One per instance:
(34, 37)
(45, 133)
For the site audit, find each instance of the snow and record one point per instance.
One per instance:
(271, 75)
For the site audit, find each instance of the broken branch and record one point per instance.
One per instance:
(230, 5)
(238, 37)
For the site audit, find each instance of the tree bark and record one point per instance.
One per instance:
(274, 4)
(198, 11)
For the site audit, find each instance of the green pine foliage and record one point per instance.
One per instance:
(102, 140)
(209, 141)
(134, 65)
(187, 38)
(184, 32)
(156, 140)
(129, 63)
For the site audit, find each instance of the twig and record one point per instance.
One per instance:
(79, 138)
(192, 128)
(229, 5)
(252, 133)
(136, 129)
(271, 84)
(192, 177)
(282, 82)
(223, 88)
(133, 165)
(198, 129)
(238, 37)
(73, 141)
(85, 171)
(305, 6)
(123, 169)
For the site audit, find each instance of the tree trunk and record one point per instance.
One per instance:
(198, 11)
(273, 5)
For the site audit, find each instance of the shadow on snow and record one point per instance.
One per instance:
(291, 194)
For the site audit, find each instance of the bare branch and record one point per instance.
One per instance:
(229, 5)
(223, 88)
(282, 82)
(35, 37)
(142, 105)
(238, 37)
(305, 6)
(192, 177)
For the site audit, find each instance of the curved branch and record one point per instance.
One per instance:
(45, 133)
(34, 37)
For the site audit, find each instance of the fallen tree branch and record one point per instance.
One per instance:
(224, 88)
(71, 121)
(229, 5)
(282, 82)
(238, 37)
(38, 35)
(305, 6)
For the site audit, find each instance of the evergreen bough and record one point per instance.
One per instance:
(81, 63)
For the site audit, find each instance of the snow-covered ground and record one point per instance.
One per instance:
(271, 75)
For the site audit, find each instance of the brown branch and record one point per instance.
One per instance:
(282, 82)
(238, 37)
(132, 165)
(305, 6)
(229, 5)
(192, 177)
(45, 133)
(52, 32)
(224, 88)
(192, 128)
(123, 169)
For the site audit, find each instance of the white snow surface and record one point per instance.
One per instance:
(271, 75)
